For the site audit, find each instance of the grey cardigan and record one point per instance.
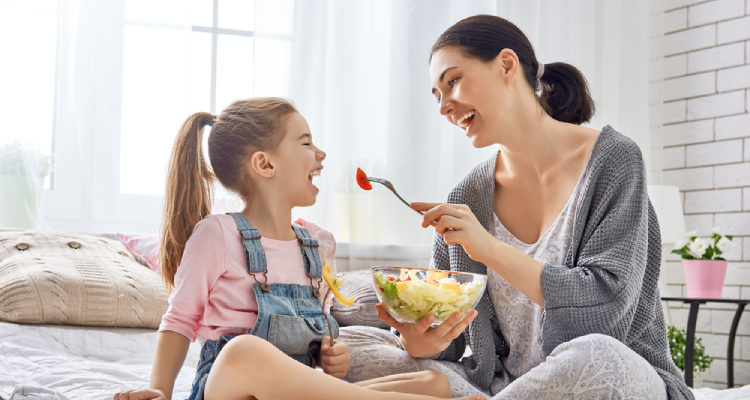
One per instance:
(608, 283)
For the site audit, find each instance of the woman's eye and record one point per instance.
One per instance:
(452, 82)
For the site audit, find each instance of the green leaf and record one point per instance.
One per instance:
(729, 237)
(685, 255)
(708, 254)
(720, 258)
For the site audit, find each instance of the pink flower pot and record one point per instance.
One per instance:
(704, 278)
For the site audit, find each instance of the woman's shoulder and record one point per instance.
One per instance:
(613, 146)
(476, 182)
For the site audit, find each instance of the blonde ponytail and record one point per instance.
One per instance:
(188, 195)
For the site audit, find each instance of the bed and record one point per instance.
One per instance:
(78, 315)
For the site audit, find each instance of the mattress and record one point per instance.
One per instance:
(82, 362)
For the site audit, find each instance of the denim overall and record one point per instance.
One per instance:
(289, 315)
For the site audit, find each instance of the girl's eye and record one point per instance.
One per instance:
(452, 82)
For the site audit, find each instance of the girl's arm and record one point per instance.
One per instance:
(171, 349)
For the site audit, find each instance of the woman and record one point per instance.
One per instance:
(560, 221)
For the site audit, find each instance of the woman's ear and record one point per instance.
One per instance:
(507, 62)
(260, 164)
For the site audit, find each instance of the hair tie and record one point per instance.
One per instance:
(539, 70)
(211, 121)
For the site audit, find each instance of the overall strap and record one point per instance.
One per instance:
(255, 257)
(309, 247)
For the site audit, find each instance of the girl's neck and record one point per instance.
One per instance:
(271, 219)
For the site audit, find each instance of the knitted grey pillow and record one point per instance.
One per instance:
(358, 284)
(65, 278)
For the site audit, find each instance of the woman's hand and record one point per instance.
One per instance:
(422, 341)
(334, 359)
(457, 224)
(141, 394)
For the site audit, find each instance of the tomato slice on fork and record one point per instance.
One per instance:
(362, 180)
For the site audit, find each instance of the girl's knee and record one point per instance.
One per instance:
(238, 349)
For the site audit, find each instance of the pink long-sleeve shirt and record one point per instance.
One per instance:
(213, 294)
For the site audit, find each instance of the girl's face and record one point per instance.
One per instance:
(471, 93)
(297, 161)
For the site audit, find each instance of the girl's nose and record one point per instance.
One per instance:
(321, 155)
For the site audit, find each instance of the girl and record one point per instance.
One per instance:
(249, 283)
(560, 221)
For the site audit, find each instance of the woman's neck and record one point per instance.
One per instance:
(270, 218)
(532, 145)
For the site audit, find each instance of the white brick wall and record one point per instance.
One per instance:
(715, 57)
(705, 151)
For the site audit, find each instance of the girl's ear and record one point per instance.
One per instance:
(260, 164)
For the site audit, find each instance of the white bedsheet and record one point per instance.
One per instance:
(82, 362)
(94, 363)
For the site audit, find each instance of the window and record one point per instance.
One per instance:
(104, 87)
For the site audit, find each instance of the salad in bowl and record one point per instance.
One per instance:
(410, 294)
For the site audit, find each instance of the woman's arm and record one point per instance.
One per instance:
(458, 225)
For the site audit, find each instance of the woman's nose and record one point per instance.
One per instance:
(321, 155)
(446, 106)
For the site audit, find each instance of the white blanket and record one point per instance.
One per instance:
(82, 362)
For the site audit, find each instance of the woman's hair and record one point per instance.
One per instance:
(564, 91)
(242, 128)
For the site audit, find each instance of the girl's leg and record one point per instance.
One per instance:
(589, 367)
(430, 382)
(250, 367)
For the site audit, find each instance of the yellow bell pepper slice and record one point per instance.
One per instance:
(334, 284)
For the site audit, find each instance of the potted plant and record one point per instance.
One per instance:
(676, 337)
(703, 264)
(22, 172)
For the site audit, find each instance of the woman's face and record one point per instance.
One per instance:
(470, 93)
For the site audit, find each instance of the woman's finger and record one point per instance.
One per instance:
(423, 206)
(448, 223)
(462, 325)
(387, 318)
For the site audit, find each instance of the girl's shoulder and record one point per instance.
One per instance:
(326, 241)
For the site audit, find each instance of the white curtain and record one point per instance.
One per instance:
(360, 77)
(102, 86)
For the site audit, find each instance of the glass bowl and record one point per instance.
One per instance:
(410, 294)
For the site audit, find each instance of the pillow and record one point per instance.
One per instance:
(363, 312)
(65, 278)
(145, 248)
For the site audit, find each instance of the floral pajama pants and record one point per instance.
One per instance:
(588, 367)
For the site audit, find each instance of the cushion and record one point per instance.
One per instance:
(145, 248)
(65, 278)
(363, 312)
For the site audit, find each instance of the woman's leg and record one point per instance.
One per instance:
(376, 353)
(589, 367)
(250, 367)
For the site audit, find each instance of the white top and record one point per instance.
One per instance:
(519, 317)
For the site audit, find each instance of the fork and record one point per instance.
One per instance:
(389, 185)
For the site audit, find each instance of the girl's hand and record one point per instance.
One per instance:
(141, 394)
(457, 224)
(422, 341)
(334, 359)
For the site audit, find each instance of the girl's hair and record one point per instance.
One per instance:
(564, 91)
(242, 128)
